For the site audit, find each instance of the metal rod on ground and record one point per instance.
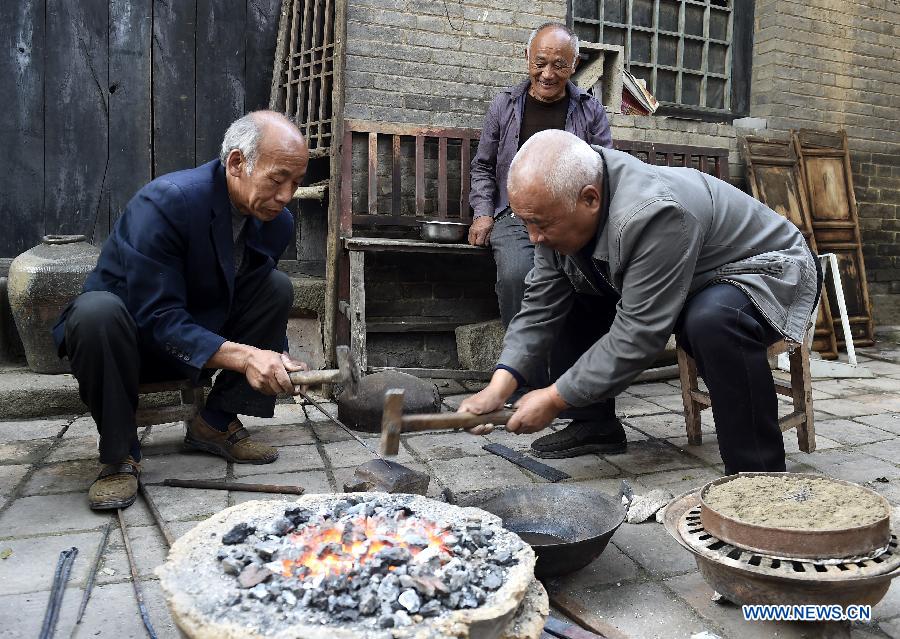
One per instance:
(157, 516)
(233, 485)
(135, 582)
(60, 578)
(89, 584)
(344, 427)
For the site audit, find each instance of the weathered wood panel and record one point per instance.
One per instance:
(76, 115)
(174, 90)
(107, 94)
(130, 139)
(22, 125)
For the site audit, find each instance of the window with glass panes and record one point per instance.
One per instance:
(683, 49)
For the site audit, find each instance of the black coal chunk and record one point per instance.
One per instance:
(238, 534)
(298, 515)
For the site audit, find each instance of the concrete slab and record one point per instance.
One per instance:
(31, 564)
(653, 389)
(183, 466)
(791, 445)
(45, 514)
(28, 452)
(465, 475)
(728, 617)
(82, 426)
(849, 432)
(285, 415)
(677, 481)
(672, 402)
(847, 407)
(653, 549)
(19, 430)
(290, 459)
(63, 477)
(643, 610)
(314, 481)
(187, 503)
(583, 467)
(442, 445)
(611, 567)
(24, 394)
(10, 476)
(889, 607)
(849, 465)
(665, 425)
(876, 384)
(350, 453)
(284, 434)
(149, 549)
(74, 448)
(888, 450)
(314, 414)
(708, 450)
(327, 432)
(883, 402)
(885, 421)
(629, 406)
(652, 456)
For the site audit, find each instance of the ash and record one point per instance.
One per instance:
(364, 561)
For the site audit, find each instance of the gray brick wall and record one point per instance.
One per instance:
(436, 63)
(834, 64)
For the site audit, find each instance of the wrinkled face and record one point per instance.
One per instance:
(551, 61)
(560, 225)
(278, 171)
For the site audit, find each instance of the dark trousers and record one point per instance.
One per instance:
(590, 317)
(728, 337)
(109, 359)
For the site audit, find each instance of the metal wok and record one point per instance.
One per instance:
(568, 526)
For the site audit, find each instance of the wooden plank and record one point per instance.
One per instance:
(76, 116)
(358, 307)
(420, 175)
(220, 72)
(373, 174)
(290, 105)
(465, 150)
(299, 57)
(130, 147)
(373, 244)
(396, 190)
(393, 128)
(315, 68)
(22, 66)
(346, 176)
(174, 92)
(260, 36)
(442, 178)
(436, 373)
(687, 373)
(277, 88)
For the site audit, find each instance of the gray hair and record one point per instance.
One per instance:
(556, 25)
(568, 163)
(244, 135)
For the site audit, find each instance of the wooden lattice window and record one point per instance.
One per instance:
(304, 75)
(693, 54)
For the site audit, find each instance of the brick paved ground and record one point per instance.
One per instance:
(644, 584)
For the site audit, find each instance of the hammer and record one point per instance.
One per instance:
(393, 422)
(347, 373)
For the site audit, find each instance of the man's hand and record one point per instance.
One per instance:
(291, 365)
(266, 372)
(480, 231)
(536, 410)
(490, 399)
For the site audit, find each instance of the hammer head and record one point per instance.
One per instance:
(348, 368)
(391, 422)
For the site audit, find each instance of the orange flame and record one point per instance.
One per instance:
(326, 552)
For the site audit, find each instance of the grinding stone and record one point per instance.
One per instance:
(363, 410)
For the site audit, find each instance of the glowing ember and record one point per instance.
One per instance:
(341, 547)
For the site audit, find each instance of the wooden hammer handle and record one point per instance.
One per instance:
(314, 378)
(443, 421)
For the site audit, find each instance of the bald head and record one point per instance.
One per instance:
(555, 185)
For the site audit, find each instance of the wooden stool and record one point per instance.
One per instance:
(191, 402)
(799, 389)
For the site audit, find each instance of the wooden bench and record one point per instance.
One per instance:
(394, 176)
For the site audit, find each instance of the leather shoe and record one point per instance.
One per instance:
(233, 444)
(116, 486)
(582, 438)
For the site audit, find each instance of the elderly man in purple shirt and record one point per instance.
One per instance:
(546, 100)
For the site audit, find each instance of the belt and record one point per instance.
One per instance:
(507, 212)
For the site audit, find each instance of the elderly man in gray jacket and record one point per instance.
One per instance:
(688, 253)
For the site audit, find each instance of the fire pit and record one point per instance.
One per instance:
(360, 565)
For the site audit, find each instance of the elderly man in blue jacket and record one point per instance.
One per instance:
(546, 100)
(185, 285)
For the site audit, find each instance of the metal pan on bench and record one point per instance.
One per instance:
(443, 231)
(568, 526)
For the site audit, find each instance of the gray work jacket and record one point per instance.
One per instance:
(499, 141)
(668, 233)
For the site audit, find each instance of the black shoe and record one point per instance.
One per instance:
(582, 438)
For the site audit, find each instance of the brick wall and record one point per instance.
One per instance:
(436, 63)
(834, 64)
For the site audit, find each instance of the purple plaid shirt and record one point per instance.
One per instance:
(500, 141)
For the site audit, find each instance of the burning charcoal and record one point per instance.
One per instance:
(348, 614)
(401, 619)
(410, 600)
(492, 581)
(368, 603)
(280, 527)
(238, 534)
(394, 556)
(289, 598)
(340, 507)
(260, 592)
(416, 541)
(468, 600)
(331, 548)
(266, 549)
(431, 608)
(386, 621)
(346, 601)
(232, 566)
(389, 589)
(298, 515)
(453, 599)
(252, 575)
(503, 558)
(458, 579)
